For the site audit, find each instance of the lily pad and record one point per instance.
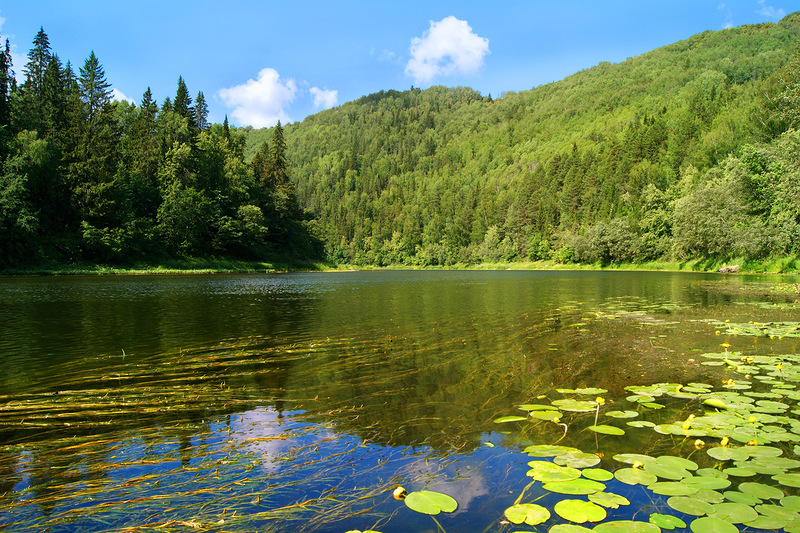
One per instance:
(672, 488)
(575, 486)
(706, 482)
(635, 476)
(548, 450)
(667, 521)
(622, 414)
(577, 459)
(724, 453)
(667, 472)
(677, 462)
(735, 513)
(430, 502)
(607, 430)
(760, 490)
(608, 499)
(579, 511)
(597, 474)
(529, 513)
(546, 471)
(578, 406)
(690, 506)
(568, 528)
(626, 526)
(788, 480)
(710, 524)
(513, 418)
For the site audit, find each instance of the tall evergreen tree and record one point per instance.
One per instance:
(95, 90)
(201, 111)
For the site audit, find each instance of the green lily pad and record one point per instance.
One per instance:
(513, 418)
(760, 490)
(536, 407)
(788, 480)
(767, 522)
(546, 471)
(667, 521)
(724, 453)
(590, 390)
(735, 513)
(690, 506)
(710, 496)
(741, 497)
(677, 462)
(529, 513)
(705, 482)
(711, 472)
(547, 415)
(791, 502)
(579, 511)
(568, 528)
(597, 474)
(548, 450)
(607, 430)
(777, 511)
(574, 487)
(608, 499)
(672, 488)
(739, 472)
(626, 526)
(577, 459)
(622, 414)
(641, 424)
(635, 476)
(710, 524)
(666, 472)
(577, 406)
(632, 458)
(430, 502)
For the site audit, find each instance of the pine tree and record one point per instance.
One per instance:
(201, 111)
(183, 103)
(95, 90)
(38, 58)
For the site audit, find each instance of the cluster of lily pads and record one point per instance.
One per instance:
(740, 435)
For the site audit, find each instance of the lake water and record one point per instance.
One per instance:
(297, 402)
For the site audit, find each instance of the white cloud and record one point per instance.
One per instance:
(728, 16)
(260, 103)
(448, 47)
(769, 11)
(119, 96)
(323, 98)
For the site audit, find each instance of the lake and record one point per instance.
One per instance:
(298, 402)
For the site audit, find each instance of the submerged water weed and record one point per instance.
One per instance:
(730, 460)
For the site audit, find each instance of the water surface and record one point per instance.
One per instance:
(298, 401)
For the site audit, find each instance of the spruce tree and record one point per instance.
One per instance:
(201, 111)
(95, 90)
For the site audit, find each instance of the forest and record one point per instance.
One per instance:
(689, 151)
(89, 180)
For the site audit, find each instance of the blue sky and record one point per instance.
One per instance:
(258, 61)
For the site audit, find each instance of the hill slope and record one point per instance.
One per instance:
(593, 167)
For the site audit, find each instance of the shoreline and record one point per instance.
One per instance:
(776, 266)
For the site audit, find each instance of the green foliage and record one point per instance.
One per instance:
(590, 168)
(84, 178)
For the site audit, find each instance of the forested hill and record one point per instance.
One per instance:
(689, 150)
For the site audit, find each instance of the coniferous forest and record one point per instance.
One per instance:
(689, 151)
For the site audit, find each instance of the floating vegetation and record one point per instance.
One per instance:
(745, 473)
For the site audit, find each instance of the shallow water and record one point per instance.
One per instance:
(298, 401)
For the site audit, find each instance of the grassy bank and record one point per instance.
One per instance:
(780, 265)
(172, 266)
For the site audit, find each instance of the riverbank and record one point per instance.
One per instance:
(780, 265)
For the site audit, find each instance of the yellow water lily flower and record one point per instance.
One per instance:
(699, 444)
(399, 493)
(724, 442)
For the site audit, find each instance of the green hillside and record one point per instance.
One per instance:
(684, 151)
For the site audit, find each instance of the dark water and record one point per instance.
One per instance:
(297, 402)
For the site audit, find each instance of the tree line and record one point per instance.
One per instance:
(87, 179)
